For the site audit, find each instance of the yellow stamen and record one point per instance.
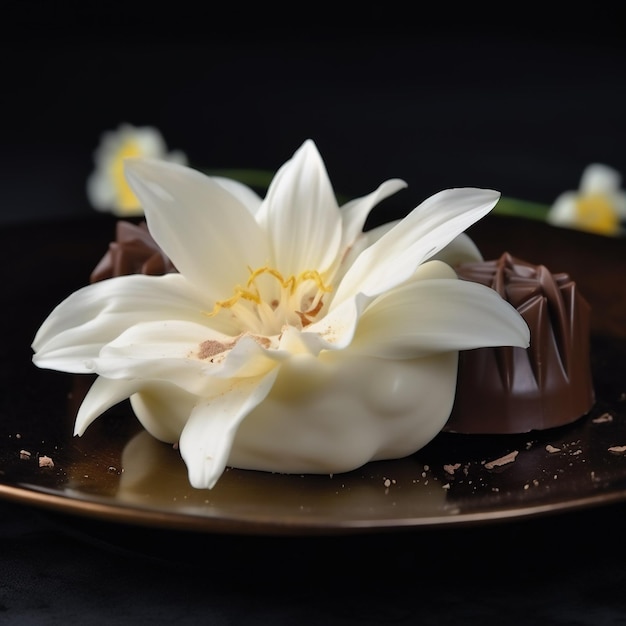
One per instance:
(290, 283)
(240, 293)
(314, 275)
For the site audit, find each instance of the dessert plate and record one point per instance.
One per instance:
(117, 472)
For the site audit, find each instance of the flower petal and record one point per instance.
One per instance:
(91, 317)
(362, 242)
(162, 350)
(246, 195)
(355, 212)
(460, 250)
(336, 329)
(301, 214)
(173, 350)
(102, 395)
(248, 358)
(204, 229)
(163, 409)
(436, 312)
(563, 210)
(207, 438)
(600, 179)
(423, 233)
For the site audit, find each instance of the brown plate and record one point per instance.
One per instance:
(116, 472)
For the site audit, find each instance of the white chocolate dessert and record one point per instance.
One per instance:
(281, 337)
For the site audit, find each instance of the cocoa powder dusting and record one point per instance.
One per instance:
(211, 347)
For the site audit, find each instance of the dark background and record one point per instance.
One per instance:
(438, 95)
(519, 98)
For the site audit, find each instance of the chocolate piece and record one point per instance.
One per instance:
(513, 390)
(134, 251)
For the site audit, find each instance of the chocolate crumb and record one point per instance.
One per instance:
(503, 460)
(602, 419)
(450, 469)
(617, 449)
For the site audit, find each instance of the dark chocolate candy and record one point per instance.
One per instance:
(515, 390)
(134, 251)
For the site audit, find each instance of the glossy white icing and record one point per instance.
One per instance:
(337, 412)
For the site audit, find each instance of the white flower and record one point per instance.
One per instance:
(290, 341)
(599, 205)
(107, 188)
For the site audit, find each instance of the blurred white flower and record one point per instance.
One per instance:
(291, 340)
(598, 206)
(107, 187)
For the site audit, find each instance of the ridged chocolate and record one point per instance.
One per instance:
(515, 390)
(134, 251)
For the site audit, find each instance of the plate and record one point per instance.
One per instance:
(117, 472)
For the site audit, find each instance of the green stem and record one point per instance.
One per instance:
(521, 208)
(259, 179)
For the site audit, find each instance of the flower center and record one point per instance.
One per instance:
(596, 213)
(126, 199)
(269, 300)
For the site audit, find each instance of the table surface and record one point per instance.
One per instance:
(566, 569)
